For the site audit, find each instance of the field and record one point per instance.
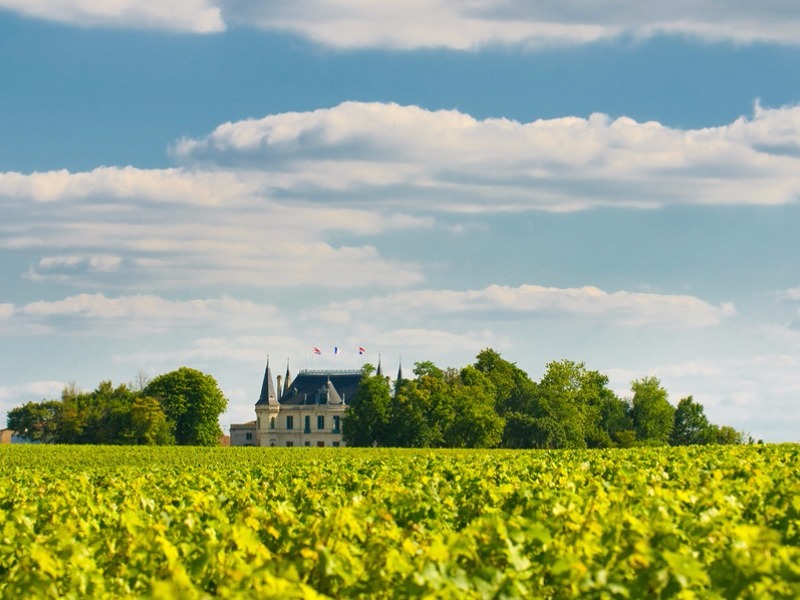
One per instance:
(698, 522)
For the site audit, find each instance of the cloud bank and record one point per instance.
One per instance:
(453, 24)
(620, 308)
(463, 25)
(448, 160)
(141, 312)
(193, 16)
(295, 199)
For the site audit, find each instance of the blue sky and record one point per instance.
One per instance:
(212, 181)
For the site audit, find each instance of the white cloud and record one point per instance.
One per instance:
(195, 16)
(166, 228)
(622, 307)
(115, 183)
(259, 201)
(407, 156)
(6, 310)
(461, 25)
(34, 390)
(454, 24)
(142, 313)
(792, 294)
(65, 268)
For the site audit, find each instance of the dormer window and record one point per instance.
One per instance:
(322, 395)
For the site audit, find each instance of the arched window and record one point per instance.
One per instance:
(272, 423)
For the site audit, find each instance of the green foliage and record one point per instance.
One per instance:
(36, 421)
(108, 415)
(474, 424)
(493, 403)
(690, 425)
(687, 522)
(514, 390)
(726, 435)
(192, 403)
(148, 423)
(368, 414)
(185, 401)
(651, 412)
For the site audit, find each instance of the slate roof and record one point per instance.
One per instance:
(267, 395)
(309, 387)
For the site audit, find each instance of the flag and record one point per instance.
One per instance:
(316, 350)
(361, 350)
(336, 349)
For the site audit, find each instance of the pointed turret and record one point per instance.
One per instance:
(333, 395)
(379, 372)
(399, 379)
(267, 395)
(286, 380)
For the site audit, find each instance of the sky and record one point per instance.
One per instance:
(208, 183)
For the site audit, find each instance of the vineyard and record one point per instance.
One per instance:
(691, 522)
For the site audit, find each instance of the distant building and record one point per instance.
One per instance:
(305, 411)
(243, 434)
(8, 436)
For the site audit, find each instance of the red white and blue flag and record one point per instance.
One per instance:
(316, 350)
(361, 350)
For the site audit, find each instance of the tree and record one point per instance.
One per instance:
(690, 425)
(105, 413)
(475, 423)
(36, 421)
(514, 391)
(409, 424)
(561, 413)
(367, 416)
(727, 435)
(615, 420)
(148, 423)
(651, 412)
(192, 403)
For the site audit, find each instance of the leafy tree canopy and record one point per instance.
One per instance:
(192, 403)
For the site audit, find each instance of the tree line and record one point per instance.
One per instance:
(495, 404)
(181, 407)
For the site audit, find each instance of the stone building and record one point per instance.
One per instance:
(305, 411)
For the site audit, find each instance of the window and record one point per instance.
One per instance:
(307, 444)
(248, 436)
(320, 444)
(337, 422)
(289, 422)
(289, 444)
(335, 444)
(272, 423)
(320, 421)
(307, 423)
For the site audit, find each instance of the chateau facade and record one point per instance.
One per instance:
(305, 411)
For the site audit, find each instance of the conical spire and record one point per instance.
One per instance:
(379, 372)
(333, 395)
(399, 379)
(286, 380)
(267, 395)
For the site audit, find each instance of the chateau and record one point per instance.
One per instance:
(304, 411)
